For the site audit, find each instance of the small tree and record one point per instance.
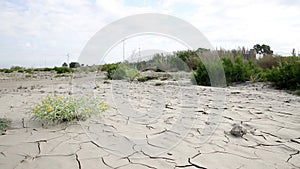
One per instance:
(64, 64)
(263, 49)
(74, 65)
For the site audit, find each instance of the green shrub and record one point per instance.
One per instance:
(287, 75)
(110, 69)
(240, 71)
(235, 71)
(74, 65)
(142, 79)
(8, 71)
(29, 71)
(17, 68)
(46, 69)
(120, 71)
(4, 124)
(201, 75)
(159, 84)
(107, 67)
(61, 70)
(62, 109)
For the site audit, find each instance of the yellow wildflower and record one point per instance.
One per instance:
(50, 109)
(38, 107)
(104, 106)
(59, 99)
(43, 101)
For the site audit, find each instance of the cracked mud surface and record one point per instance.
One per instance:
(147, 126)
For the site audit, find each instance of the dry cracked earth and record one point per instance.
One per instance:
(174, 125)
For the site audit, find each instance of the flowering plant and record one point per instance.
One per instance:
(62, 109)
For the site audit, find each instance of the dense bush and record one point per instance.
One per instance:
(74, 65)
(62, 109)
(201, 75)
(107, 67)
(61, 70)
(267, 62)
(124, 72)
(287, 75)
(120, 71)
(4, 124)
(8, 71)
(235, 71)
(46, 69)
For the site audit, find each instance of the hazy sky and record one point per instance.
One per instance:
(36, 33)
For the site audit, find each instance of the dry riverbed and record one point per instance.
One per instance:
(154, 124)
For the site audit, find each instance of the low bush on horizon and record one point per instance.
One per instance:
(65, 109)
(58, 70)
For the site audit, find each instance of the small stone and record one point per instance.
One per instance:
(238, 131)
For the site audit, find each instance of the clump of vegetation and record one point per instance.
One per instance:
(147, 77)
(120, 71)
(240, 70)
(74, 65)
(107, 67)
(4, 124)
(287, 75)
(159, 84)
(268, 62)
(110, 69)
(64, 109)
(60, 70)
(235, 71)
(46, 69)
(201, 76)
(8, 71)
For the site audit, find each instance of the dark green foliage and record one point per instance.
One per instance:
(235, 71)
(74, 65)
(190, 58)
(241, 71)
(162, 77)
(14, 68)
(8, 71)
(287, 75)
(263, 49)
(4, 124)
(46, 69)
(64, 64)
(106, 67)
(120, 71)
(61, 70)
(29, 71)
(110, 69)
(201, 75)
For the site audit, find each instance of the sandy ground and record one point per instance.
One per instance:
(175, 125)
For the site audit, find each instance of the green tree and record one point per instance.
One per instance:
(263, 49)
(74, 65)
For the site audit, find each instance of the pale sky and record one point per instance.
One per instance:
(37, 33)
